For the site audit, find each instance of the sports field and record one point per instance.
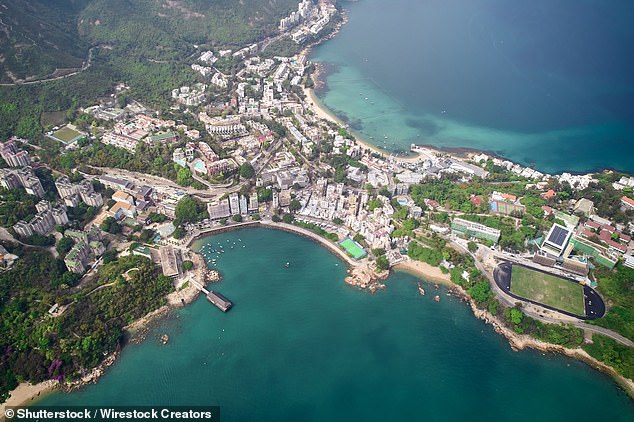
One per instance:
(353, 248)
(66, 135)
(548, 290)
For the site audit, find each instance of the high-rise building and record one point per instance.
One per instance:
(30, 182)
(243, 205)
(59, 215)
(253, 203)
(234, 203)
(14, 156)
(23, 229)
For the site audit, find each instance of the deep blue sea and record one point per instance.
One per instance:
(301, 345)
(548, 83)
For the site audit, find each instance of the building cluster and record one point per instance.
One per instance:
(74, 193)
(22, 178)
(128, 202)
(596, 238)
(326, 202)
(44, 221)
(88, 247)
(225, 127)
(624, 182)
(235, 204)
(505, 204)
(209, 162)
(308, 21)
(190, 95)
(283, 172)
(305, 10)
(13, 155)
(127, 135)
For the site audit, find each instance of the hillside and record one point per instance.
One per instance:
(165, 29)
(39, 36)
(43, 38)
(147, 45)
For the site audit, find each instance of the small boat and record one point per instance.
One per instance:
(288, 264)
(420, 289)
(165, 338)
(436, 298)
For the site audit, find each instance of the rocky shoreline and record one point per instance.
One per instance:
(365, 278)
(522, 341)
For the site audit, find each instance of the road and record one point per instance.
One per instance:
(84, 67)
(166, 186)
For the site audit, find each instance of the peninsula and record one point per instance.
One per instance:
(99, 213)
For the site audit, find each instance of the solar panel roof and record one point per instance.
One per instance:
(558, 235)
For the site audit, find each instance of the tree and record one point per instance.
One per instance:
(64, 245)
(184, 176)
(288, 218)
(189, 210)
(247, 171)
(378, 251)
(179, 233)
(337, 220)
(188, 265)
(237, 218)
(110, 225)
(156, 217)
(472, 246)
(295, 205)
(276, 218)
(516, 316)
(382, 263)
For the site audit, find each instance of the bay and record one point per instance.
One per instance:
(301, 345)
(543, 83)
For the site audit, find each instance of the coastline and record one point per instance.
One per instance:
(516, 341)
(26, 392)
(425, 271)
(321, 111)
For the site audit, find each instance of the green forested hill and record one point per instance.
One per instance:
(39, 36)
(147, 43)
(165, 29)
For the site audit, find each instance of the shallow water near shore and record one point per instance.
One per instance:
(300, 344)
(542, 83)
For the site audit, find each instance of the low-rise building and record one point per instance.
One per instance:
(218, 210)
(471, 229)
(170, 261)
(556, 240)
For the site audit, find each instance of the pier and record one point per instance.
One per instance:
(216, 298)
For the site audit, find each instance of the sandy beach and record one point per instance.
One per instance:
(425, 271)
(323, 113)
(26, 392)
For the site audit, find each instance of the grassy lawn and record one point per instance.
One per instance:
(66, 134)
(548, 290)
(353, 249)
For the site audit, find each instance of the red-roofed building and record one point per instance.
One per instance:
(431, 203)
(475, 200)
(628, 203)
(549, 194)
(547, 210)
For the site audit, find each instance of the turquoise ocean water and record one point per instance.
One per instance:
(546, 83)
(300, 345)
